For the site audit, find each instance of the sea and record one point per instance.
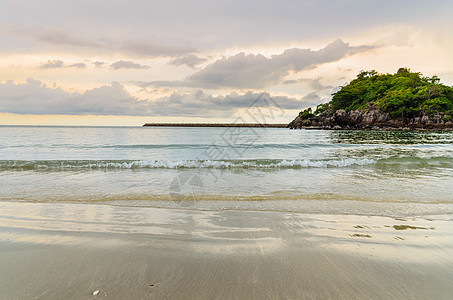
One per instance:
(368, 173)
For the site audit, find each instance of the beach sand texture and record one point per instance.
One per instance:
(70, 251)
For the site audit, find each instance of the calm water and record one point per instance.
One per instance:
(338, 172)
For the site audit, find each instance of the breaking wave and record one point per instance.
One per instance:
(179, 164)
(218, 164)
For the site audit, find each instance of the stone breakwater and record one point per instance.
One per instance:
(372, 119)
(217, 125)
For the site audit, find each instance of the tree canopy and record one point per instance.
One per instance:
(402, 94)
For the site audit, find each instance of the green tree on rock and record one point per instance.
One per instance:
(402, 94)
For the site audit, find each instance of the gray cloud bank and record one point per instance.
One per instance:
(190, 60)
(69, 40)
(52, 64)
(34, 97)
(58, 64)
(98, 64)
(121, 64)
(127, 65)
(213, 24)
(258, 72)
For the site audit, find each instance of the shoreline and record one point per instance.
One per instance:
(372, 119)
(132, 252)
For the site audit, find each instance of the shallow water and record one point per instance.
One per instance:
(203, 213)
(335, 172)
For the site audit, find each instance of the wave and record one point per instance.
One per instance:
(220, 164)
(177, 164)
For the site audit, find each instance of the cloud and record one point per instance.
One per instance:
(147, 49)
(58, 64)
(52, 36)
(201, 104)
(258, 72)
(34, 97)
(121, 64)
(73, 41)
(52, 64)
(98, 64)
(314, 83)
(190, 60)
(222, 24)
(312, 99)
(78, 65)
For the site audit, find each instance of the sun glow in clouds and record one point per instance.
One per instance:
(175, 61)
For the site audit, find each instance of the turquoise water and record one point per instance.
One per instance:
(274, 169)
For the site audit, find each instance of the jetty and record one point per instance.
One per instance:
(256, 125)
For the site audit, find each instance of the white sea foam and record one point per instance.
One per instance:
(192, 164)
(223, 164)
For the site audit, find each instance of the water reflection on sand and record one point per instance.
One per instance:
(226, 232)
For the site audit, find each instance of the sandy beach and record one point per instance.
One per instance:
(70, 251)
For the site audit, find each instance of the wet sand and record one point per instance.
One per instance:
(65, 250)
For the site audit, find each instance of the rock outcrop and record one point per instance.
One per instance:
(372, 118)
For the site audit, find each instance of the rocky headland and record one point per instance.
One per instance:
(401, 101)
(372, 119)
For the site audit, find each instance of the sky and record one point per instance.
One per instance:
(124, 63)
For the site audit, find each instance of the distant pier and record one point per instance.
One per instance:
(216, 125)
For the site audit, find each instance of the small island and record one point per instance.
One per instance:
(402, 101)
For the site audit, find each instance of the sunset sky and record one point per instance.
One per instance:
(129, 62)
